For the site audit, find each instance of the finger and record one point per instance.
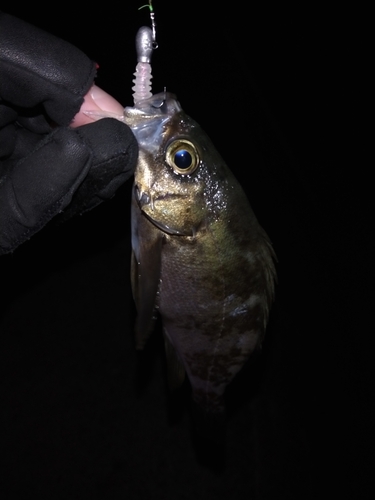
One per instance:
(96, 100)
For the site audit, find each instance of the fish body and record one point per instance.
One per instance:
(200, 258)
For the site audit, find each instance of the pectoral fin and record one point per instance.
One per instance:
(145, 274)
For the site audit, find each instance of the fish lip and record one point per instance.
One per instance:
(144, 198)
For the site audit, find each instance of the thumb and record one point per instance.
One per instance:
(96, 99)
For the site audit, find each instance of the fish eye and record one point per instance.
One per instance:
(182, 156)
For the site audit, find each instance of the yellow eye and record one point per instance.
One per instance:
(182, 156)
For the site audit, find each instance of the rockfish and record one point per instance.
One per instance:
(200, 259)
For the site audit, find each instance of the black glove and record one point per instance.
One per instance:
(45, 166)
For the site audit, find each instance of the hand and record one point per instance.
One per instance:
(52, 159)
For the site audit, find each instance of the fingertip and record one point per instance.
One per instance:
(96, 99)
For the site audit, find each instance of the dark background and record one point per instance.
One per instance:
(83, 416)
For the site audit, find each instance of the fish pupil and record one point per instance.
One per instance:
(183, 159)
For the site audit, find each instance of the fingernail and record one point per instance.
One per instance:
(105, 101)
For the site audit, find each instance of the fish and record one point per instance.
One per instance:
(200, 259)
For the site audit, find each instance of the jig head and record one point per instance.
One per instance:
(145, 42)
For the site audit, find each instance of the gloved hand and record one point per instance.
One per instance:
(46, 166)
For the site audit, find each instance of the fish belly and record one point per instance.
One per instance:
(210, 314)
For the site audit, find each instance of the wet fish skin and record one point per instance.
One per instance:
(200, 258)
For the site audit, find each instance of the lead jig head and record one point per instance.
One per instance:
(145, 42)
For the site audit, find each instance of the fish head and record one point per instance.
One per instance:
(176, 166)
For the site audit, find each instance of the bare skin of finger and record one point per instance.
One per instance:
(96, 100)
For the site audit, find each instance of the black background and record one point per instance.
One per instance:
(282, 95)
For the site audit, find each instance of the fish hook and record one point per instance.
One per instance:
(153, 23)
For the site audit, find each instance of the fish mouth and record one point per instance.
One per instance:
(149, 118)
(161, 104)
(144, 200)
